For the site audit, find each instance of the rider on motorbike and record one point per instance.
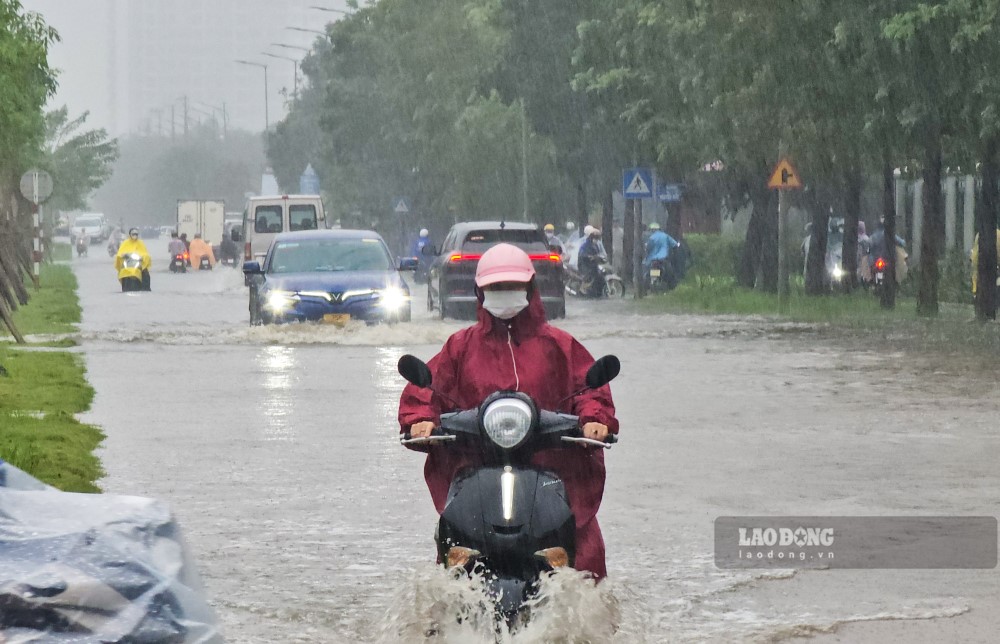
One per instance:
(589, 258)
(134, 245)
(658, 248)
(546, 363)
(176, 246)
(552, 240)
(199, 249)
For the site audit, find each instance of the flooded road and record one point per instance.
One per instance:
(277, 450)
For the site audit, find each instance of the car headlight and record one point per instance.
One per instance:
(393, 298)
(281, 300)
(838, 272)
(507, 421)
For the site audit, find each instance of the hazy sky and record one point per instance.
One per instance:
(173, 58)
(82, 55)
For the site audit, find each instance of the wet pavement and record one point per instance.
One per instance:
(277, 449)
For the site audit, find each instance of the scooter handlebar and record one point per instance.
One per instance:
(606, 443)
(437, 436)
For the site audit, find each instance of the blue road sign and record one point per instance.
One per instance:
(637, 183)
(669, 192)
(400, 205)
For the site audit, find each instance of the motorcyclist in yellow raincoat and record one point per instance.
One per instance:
(975, 260)
(132, 244)
(200, 248)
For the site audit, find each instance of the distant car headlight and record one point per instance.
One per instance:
(393, 298)
(838, 272)
(281, 300)
(507, 421)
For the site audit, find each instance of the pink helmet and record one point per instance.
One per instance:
(504, 263)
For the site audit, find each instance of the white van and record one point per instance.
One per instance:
(266, 216)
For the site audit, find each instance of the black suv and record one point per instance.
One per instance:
(451, 282)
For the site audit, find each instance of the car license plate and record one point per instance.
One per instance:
(654, 272)
(340, 319)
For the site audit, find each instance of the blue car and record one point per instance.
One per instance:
(328, 276)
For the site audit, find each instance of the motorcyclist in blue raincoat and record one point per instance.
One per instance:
(417, 247)
(658, 245)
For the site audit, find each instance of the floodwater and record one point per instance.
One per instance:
(277, 450)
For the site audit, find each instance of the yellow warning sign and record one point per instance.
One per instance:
(785, 177)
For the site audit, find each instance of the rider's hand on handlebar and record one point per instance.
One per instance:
(595, 431)
(422, 429)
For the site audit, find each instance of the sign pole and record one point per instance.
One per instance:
(784, 178)
(783, 295)
(637, 253)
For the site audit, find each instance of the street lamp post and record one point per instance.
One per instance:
(309, 31)
(295, 62)
(267, 123)
(332, 10)
(279, 44)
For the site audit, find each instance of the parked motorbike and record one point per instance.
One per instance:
(612, 287)
(179, 263)
(506, 519)
(130, 272)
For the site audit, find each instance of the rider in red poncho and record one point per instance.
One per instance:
(512, 347)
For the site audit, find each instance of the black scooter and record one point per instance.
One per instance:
(179, 263)
(506, 519)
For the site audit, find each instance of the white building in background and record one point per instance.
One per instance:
(161, 51)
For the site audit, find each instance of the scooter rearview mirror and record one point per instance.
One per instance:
(414, 370)
(603, 371)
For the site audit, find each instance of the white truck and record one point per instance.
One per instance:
(205, 218)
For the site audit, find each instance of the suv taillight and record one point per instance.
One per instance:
(463, 257)
(552, 257)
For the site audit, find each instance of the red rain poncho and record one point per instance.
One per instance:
(525, 354)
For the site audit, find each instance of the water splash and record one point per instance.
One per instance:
(434, 604)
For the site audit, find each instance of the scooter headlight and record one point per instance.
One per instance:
(507, 421)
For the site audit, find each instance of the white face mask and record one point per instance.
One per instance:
(505, 304)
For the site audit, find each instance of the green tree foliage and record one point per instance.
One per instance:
(423, 100)
(79, 162)
(26, 82)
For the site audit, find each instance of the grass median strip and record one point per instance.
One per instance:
(41, 391)
(857, 317)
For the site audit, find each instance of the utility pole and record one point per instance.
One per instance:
(185, 116)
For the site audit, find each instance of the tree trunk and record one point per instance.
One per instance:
(852, 208)
(986, 226)
(933, 229)
(888, 296)
(581, 206)
(608, 224)
(816, 251)
(759, 264)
